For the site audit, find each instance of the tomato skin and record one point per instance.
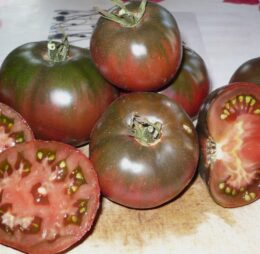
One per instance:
(60, 101)
(228, 128)
(191, 84)
(16, 190)
(143, 176)
(142, 58)
(249, 71)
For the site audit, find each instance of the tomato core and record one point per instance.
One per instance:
(144, 131)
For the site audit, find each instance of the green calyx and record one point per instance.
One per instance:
(58, 51)
(144, 131)
(125, 17)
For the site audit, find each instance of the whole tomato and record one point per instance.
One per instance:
(191, 84)
(249, 71)
(228, 128)
(59, 92)
(137, 47)
(144, 149)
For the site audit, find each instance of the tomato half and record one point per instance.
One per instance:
(13, 128)
(229, 134)
(249, 71)
(144, 149)
(49, 196)
(191, 84)
(141, 55)
(61, 100)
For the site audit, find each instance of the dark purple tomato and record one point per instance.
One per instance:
(191, 84)
(248, 72)
(13, 129)
(60, 99)
(229, 134)
(49, 196)
(141, 54)
(144, 149)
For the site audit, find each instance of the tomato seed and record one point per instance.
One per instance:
(6, 121)
(252, 195)
(221, 186)
(18, 137)
(62, 164)
(257, 111)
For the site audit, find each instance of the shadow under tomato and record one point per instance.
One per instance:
(180, 217)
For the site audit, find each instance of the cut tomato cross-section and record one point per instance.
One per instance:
(49, 196)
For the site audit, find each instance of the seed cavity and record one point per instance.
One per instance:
(225, 188)
(18, 137)
(249, 196)
(5, 169)
(82, 206)
(77, 180)
(45, 154)
(60, 171)
(34, 227)
(6, 122)
(76, 218)
(72, 219)
(22, 165)
(40, 194)
(240, 104)
(11, 221)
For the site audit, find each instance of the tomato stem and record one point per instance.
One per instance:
(125, 17)
(144, 131)
(58, 52)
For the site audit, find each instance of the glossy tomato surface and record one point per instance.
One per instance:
(191, 84)
(249, 71)
(13, 128)
(229, 135)
(49, 196)
(144, 149)
(139, 58)
(60, 100)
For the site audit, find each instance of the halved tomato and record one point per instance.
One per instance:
(229, 134)
(49, 196)
(13, 128)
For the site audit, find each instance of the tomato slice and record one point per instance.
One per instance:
(13, 128)
(232, 148)
(49, 196)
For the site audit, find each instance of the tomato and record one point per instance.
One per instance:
(61, 99)
(49, 196)
(144, 149)
(191, 84)
(141, 54)
(249, 71)
(13, 128)
(229, 134)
